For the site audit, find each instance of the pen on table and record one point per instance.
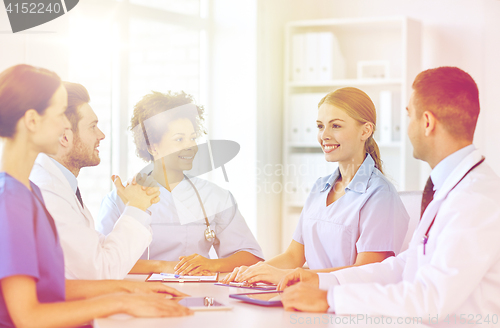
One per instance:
(169, 275)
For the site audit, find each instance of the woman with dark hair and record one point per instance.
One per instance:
(352, 217)
(193, 214)
(32, 285)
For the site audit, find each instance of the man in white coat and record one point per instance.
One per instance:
(450, 273)
(87, 253)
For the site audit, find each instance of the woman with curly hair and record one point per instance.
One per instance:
(165, 127)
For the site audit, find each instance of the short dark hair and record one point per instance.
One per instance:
(452, 96)
(77, 96)
(24, 87)
(156, 103)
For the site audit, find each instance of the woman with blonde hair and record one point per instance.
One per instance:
(352, 217)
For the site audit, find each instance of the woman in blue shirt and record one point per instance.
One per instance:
(353, 216)
(32, 285)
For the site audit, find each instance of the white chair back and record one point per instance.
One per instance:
(411, 200)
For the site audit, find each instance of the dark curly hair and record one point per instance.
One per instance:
(156, 103)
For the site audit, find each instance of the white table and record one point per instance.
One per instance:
(242, 314)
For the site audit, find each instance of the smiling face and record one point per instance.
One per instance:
(341, 137)
(85, 142)
(178, 145)
(53, 123)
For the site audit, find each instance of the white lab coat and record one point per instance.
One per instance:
(460, 271)
(89, 254)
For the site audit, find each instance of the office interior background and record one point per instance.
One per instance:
(239, 60)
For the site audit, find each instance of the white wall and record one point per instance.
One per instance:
(230, 76)
(25, 47)
(232, 97)
(462, 33)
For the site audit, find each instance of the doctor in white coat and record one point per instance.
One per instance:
(166, 127)
(87, 253)
(450, 275)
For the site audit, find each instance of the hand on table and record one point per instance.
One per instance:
(152, 288)
(150, 305)
(259, 272)
(299, 275)
(303, 297)
(195, 265)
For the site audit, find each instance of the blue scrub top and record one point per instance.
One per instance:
(178, 222)
(28, 244)
(370, 217)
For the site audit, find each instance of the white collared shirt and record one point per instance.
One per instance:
(456, 276)
(179, 226)
(443, 169)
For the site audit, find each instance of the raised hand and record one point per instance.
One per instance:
(136, 195)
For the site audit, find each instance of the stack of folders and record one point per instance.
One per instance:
(302, 171)
(303, 116)
(389, 117)
(316, 56)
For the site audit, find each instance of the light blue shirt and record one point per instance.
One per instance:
(67, 173)
(441, 171)
(370, 217)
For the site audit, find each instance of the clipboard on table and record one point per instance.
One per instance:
(257, 286)
(170, 277)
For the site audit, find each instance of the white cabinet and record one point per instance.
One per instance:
(380, 56)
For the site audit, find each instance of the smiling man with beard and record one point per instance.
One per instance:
(87, 253)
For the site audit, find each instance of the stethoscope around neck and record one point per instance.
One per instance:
(209, 233)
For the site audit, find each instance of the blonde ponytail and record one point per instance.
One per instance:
(371, 148)
(360, 107)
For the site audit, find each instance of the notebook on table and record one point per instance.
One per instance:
(170, 277)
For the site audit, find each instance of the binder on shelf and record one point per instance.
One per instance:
(296, 132)
(396, 117)
(292, 185)
(298, 60)
(302, 118)
(385, 120)
(331, 62)
(310, 129)
(311, 56)
(324, 168)
(302, 173)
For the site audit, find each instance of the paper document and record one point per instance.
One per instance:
(170, 277)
